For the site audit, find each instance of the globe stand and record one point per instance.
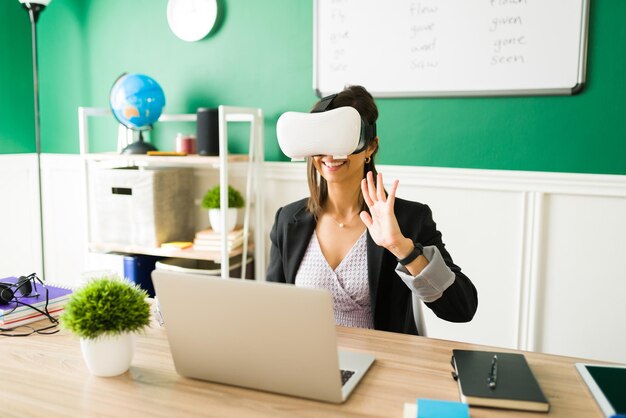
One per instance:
(139, 147)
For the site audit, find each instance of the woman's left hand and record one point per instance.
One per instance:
(381, 221)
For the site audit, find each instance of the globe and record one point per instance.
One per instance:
(137, 101)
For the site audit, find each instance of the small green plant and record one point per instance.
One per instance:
(211, 199)
(106, 305)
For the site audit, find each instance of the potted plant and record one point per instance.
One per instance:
(211, 201)
(105, 313)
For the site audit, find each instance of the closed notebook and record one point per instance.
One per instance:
(516, 386)
(23, 311)
(210, 245)
(434, 408)
(209, 240)
(32, 316)
(210, 234)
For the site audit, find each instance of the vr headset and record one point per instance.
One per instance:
(337, 132)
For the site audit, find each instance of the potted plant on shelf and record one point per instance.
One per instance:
(211, 201)
(105, 313)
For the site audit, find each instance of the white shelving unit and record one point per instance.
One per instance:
(253, 202)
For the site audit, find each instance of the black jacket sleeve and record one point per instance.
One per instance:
(275, 272)
(459, 301)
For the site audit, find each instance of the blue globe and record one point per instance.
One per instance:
(137, 101)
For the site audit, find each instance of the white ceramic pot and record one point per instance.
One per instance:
(216, 220)
(108, 355)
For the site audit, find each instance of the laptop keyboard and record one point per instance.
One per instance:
(345, 376)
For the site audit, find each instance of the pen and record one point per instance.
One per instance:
(493, 372)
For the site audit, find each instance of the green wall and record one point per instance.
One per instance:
(17, 120)
(261, 56)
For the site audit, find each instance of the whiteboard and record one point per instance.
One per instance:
(421, 48)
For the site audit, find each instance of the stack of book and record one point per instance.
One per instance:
(18, 313)
(209, 240)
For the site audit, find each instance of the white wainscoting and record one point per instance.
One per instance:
(545, 250)
(20, 237)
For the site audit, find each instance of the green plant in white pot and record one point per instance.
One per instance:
(105, 313)
(211, 201)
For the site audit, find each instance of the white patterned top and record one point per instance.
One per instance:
(348, 283)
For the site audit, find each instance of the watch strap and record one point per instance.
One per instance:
(417, 251)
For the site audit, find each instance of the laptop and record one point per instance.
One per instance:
(268, 336)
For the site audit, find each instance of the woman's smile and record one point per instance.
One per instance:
(333, 165)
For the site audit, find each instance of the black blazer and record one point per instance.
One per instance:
(389, 295)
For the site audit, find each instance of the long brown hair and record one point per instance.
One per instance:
(360, 99)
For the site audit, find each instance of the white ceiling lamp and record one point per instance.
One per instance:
(191, 20)
(34, 7)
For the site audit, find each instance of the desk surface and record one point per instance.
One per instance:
(46, 376)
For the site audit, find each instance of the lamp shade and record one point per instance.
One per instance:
(40, 2)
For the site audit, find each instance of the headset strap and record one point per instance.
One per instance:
(324, 103)
(370, 130)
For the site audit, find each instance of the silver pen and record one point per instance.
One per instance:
(493, 372)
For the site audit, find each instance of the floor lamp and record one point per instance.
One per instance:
(34, 8)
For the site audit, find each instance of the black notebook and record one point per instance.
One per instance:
(513, 385)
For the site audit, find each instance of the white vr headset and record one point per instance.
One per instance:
(337, 132)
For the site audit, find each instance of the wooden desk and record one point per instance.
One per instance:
(45, 376)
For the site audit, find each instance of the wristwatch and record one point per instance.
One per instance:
(417, 251)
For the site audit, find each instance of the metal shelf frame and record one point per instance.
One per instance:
(254, 174)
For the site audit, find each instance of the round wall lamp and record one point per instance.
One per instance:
(191, 20)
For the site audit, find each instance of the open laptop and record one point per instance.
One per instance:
(268, 336)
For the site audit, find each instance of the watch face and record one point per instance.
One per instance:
(191, 20)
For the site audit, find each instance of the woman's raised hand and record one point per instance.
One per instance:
(381, 221)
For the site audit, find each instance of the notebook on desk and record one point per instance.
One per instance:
(268, 336)
(504, 382)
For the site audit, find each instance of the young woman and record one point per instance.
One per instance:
(371, 250)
